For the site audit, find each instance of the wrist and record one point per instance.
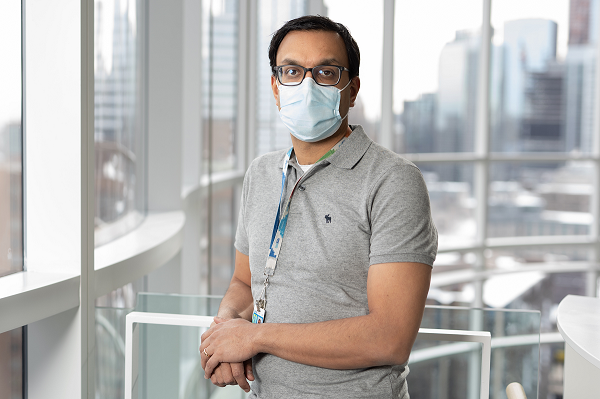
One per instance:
(258, 338)
(228, 314)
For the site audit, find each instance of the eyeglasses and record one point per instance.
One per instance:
(323, 75)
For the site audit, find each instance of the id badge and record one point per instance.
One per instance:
(258, 316)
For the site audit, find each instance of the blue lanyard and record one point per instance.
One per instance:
(281, 222)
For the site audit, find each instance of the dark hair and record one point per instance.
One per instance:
(316, 22)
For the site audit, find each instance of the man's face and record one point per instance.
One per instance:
(312, 48)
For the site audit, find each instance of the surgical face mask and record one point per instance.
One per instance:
(311, 112)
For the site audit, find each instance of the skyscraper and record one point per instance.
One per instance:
(455, 113)
(528, 51)
(583, 21)
(580, 74)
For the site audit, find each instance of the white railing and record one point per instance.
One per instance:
(133, 319)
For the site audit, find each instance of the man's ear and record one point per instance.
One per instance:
(275, 90)
(354, 88)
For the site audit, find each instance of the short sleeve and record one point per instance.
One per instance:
(241, 233)
(402, 229)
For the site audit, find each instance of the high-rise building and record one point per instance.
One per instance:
(530, 45)
(542, 123)
(580, 65)
(456, 96)
(583, 21)
(418, 121)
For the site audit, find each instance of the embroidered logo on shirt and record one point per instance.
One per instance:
(327, 219)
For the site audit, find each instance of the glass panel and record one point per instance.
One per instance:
(543, 74)
(11, 364)
(110, 352)
(219, 82)
(435, 74)
(539, 199)
(169, 358)
(271, 134)
(119, 127)
(11, 200)
(452, 199)
(179, 350)
(353, 14)
(454, 371)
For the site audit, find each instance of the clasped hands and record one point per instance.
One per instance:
(226, 350)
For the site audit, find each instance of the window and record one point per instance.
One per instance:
(11, 186)
(353, 14)
(11, 364)
(119, 126)
(11, 192)
(219, 72)
(271, 133)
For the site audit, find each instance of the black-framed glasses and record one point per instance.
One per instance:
(323, 75)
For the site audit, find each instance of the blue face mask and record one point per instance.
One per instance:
(311, 112)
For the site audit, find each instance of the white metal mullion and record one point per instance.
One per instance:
(482, 143)
(252, 73)
(87, 284)
(497, 157)
(387, 77)
(481, 176)
(242, 84)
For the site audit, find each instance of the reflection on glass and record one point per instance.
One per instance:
(435, 75)
(515, 289)
(452, 199)
(169, 360)
(110, 313)
(540, 199)
(271, 134)
(219, 83)
(449, 374)
(369, 37)
(543, 73)
(11, 364)
(11, 213)
(119, 117)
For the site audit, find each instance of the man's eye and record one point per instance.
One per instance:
(291, 72)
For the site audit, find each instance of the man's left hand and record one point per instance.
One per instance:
(230, 341)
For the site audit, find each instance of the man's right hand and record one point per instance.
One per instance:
(232, 373)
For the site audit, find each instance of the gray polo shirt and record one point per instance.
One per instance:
(362, 206)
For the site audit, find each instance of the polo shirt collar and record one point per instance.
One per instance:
(351, 152)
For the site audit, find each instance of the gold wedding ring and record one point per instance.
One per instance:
(204, 351)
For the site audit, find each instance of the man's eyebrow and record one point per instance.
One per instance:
(327, 61)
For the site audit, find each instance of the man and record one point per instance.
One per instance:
(335, 278)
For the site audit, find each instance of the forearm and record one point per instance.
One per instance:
(237, 302)
(356, 342)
